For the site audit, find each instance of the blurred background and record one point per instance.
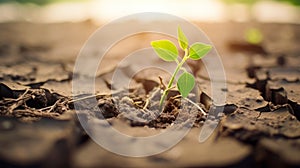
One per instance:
(258, 42)
(102, 11)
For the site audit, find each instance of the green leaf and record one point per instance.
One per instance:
(185, 84)
(182, 40)
(165, 49)
(199, 50)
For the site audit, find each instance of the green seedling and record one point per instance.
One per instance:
(168, 51)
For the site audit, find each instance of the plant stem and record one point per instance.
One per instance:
(166, 91)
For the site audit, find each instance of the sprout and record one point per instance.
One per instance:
(167, 51)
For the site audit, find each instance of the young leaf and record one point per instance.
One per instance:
(165, 49)
(182, 40)
(185, 84)
(199, 50)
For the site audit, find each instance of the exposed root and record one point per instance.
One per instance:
(196, 105)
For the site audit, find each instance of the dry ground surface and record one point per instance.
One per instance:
(38, 125)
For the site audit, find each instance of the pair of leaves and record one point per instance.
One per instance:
(167, 50)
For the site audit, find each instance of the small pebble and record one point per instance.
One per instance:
(292, 118)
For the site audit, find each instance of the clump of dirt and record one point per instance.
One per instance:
(143, 110)
(279, 86)
(107, 108)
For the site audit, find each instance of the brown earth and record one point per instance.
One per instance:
(39, 128)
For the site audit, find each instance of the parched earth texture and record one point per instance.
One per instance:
(39, 127)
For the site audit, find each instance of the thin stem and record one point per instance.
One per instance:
(166, 91)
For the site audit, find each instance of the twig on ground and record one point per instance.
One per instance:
(34, 113)
(51, 108)
(19, 101)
